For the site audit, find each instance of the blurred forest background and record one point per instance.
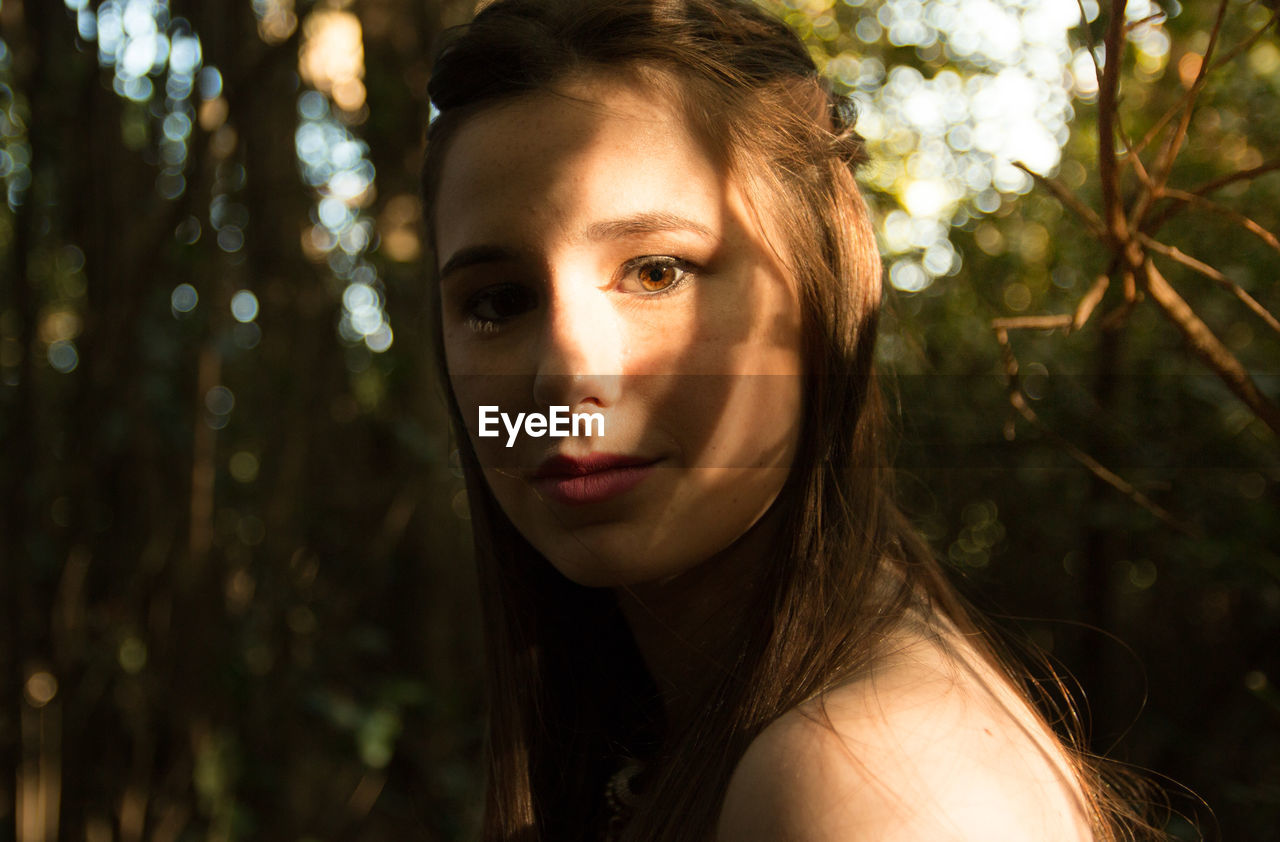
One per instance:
(234, 556)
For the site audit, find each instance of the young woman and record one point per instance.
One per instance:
(705, 617)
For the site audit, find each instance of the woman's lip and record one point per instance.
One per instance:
(577, 482)
(566, 467)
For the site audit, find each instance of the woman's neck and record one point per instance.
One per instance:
(686, 627)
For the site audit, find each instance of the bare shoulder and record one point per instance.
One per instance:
(921, 750)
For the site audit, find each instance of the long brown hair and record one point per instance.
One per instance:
(849, 568)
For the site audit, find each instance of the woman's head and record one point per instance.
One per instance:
(596, 257)
(587, 155)
(646, 210)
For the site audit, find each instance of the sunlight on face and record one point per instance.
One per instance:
(594, 255)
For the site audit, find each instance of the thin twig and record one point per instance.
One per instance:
(1243, 175)
(1067, 321)
(1158, 126)
(1018, 399)
(1052, 321)
(1246, 43)
(1235, 216)
(1102, 472)
(1154, 225)
(1187, 102)
(1163, 165)
(1205, 68)
(1213, 274)
(1047, 322)
(1209, 348)
(1150, 190)
(1090, 301)
(1141, 170)
(1118, 315)
(1108, 87)
(1157, 16)
(1178, 107)
(1088, 36)
(1064, 195)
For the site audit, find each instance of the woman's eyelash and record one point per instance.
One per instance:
(490, 308)
(502, 302)
(641, 265)
(479, 325)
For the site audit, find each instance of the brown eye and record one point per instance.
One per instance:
(658, 276)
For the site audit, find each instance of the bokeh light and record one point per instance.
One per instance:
(945, 146)
(276, 20)
(157, 60)
(243, 466)
(41, 687)
(15, 152)
(332, 56)
(399, 226)
(63, 356)
(184, 298)
(334, 161)
(244, 306)
(219, 400)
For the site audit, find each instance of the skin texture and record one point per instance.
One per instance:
(920, 750)
(551, 204)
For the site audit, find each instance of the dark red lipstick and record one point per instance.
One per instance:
(591, 479)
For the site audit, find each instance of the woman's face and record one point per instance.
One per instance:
(595, 256)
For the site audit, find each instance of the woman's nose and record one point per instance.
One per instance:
(580, 358)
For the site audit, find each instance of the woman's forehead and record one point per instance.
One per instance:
(595, 147)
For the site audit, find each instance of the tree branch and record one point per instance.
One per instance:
(1213, 274)
(1088, 37)
(1018, 399)
(1189, 97)
(1090, 301)
(1243, 175)
(1205, 189)
(1048, 322)
(1235, 216)
(1209, 348)
(1245, 44)
(1152, 18)
(1186, 103)
(1163, 165)
(1108, 87)
(1063, 194)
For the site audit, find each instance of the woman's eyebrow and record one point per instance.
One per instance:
(474, 255)
(649, 222)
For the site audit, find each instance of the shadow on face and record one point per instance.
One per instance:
(596, 256)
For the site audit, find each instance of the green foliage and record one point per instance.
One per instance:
(237, 594)
(1190, 597)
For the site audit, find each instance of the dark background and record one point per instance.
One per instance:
(234, 556)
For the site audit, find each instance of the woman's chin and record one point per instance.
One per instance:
(614, 567)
